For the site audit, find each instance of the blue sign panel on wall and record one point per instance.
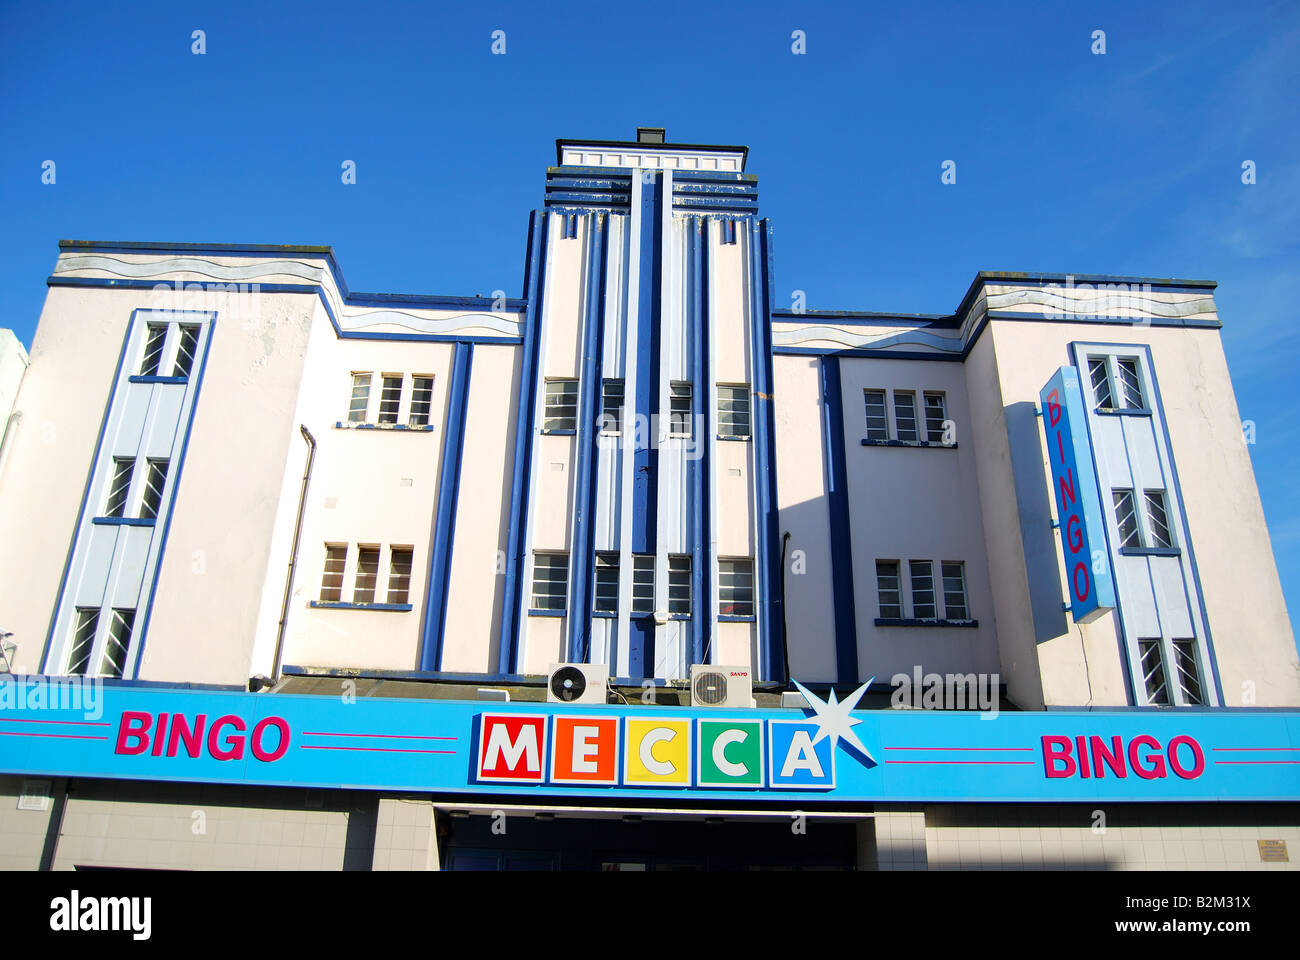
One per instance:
(826, 753)
(1078, 506)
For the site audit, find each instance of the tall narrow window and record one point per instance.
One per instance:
(611, 407)
(550, 581)
(331, 585)
(186, 347)
(877, 422)
(923, 605)
(155, 479)
(606, 599)
(1187, 672)
(367, 575)
(1130, 382)
(1159, 519)
(117, 643)
(728, 231)
(399, 574)
(83, 640)
(360, 398)
(905, 414)
(955, 606)
(421, 401)
(736, 588)
(679, 408)
(153, 348)
(1153, 672)
(390, 399)
(679, 585)
(936, 418)
(1099, 374)
(561, 406)
(733, 411)
(119, 486)
(1130, 535)
(888, 590)
(643, 584)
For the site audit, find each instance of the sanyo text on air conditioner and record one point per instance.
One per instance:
(713, 685)
(577, 682)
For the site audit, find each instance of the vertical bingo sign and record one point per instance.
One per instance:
(1078, 507)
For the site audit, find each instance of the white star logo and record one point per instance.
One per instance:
(835, 719)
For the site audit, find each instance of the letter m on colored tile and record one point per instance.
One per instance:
(510, 748)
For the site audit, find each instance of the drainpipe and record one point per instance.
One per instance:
(11, 428)
(293, 555)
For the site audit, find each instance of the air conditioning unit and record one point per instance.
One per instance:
(713, 685)
(577, 682)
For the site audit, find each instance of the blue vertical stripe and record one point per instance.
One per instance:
(697, 250)
(841, 542)
(534, 276)
(444, 530)
(581, 552)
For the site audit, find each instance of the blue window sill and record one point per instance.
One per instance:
(123, 522)
(910, 622)
(728, 618)
(1150, 552)
(604, 614)
(908, 443)
(607, 615)
(1124, 411)
(406, 427)
(736, 439)
(559, 433)
(546, 613)
(154, 379)
(339, 605)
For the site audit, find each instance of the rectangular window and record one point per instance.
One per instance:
(1187, 672)
(421, 400)
(550, 581)
(606, 599)
(936, 417)
(877, 423)
(363, 591)
(117, 643)
(1153, 672)
(679, 408)
(888, 589)
(390, 399)
(1130, 383)
(153, 348)
(923, 605)
(185, 349)
(736, 588)
(611, 407)
(643, 584)
(955, 606)
(1126, 518)
(561, 405)
(155, 479)
(360, 398)
(679, 586)
(119, 486)
(905, 414)
(399, 574)
(1099, 374)
(331, 585)
(1158, 518)
(83, 640)
(733, 411)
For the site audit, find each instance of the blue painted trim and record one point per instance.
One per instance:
(745, 439)
(140, 379)
(581, 557)
(559, 433)
(444, 528)
(697, 253)
(514, 679)
(835, 475)
(913, 444)
(534, 612)
(123, 522)
(174, 481)
(910, 622)
(1192, 323)
(768, 560)
(327, 605)
(385, 427)
(534, 282)
(1122, 411)
(867, 352)
(731, 618)
(605, 614)
(1150, 552)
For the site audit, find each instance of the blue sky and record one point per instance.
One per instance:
(1067, 161)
